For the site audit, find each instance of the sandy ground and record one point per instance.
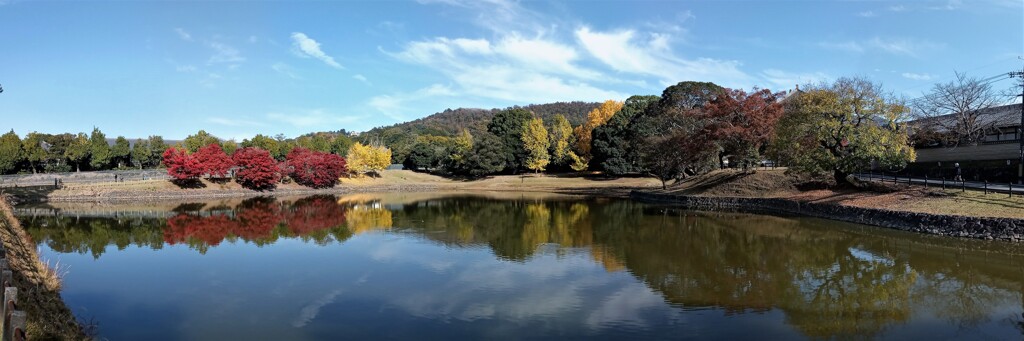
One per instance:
(389, 181)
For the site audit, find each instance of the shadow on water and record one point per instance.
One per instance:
(829, 279)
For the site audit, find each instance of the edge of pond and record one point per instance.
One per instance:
(987, 228)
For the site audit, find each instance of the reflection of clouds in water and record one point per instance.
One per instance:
(309, 312)
(625, 306)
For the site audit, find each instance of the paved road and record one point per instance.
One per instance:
(971, 185)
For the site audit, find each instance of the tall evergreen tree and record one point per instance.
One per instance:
(35, 154)
(11, 154)
(141, 155)
(121, 152)
(99, 149)
(78, 151)
(157, 146)
(508, 125)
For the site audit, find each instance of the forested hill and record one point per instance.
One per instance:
(452, 121)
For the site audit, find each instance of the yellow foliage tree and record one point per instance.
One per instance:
(559, 134)
(535, 139)
(363, 159)
(595, 118)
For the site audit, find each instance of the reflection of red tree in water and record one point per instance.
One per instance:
(210, 230)
(314, 214)
(256, 220)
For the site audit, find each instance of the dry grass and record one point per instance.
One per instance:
(38, 284)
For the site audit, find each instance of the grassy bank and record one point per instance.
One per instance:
(778, 184)
(389, 181)
(38, 284)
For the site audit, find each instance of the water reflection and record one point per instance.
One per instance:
(827, 279)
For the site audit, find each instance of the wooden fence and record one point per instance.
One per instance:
(14, 320)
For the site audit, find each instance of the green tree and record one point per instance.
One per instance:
(457, 156)
(341, 144)
(612, 149)
(535, 140)
(199, 140)
(841, 128)
(78, 151)
(318, 142)
(11, 154)
(35, 154)
(489, 156)
(262, 142)
(141, 154)
(559, 135)
(508, 125)
(56, 147)
(121, 153)
(229, 147)
(157, 146)
(99, 149)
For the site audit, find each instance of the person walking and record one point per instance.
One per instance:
(958, 174)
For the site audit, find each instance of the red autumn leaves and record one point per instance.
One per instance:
(254, 168)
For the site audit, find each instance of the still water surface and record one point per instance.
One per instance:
(441, 266)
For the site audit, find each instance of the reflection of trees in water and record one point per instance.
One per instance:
(829, 281)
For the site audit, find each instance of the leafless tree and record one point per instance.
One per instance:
(956, 110)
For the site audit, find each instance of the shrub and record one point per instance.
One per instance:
(315, 169)
(256, 169)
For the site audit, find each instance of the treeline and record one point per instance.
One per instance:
(53, 153)
(693, 127)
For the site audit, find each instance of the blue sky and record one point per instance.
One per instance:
(237, 69)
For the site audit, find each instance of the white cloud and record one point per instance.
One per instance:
(312, 118)
(285, 69)
(897, 8)
(305, 46)
(917, 76)
(361, 78)
(624, 52)
(395, 105)
(185, 68)
(867, 14)
(183, 34)
(788, 80)
(224, 53)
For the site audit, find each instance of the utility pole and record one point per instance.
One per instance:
(1020, 129)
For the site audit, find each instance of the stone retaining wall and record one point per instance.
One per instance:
(945, 225)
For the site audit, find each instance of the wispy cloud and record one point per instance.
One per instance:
(897, 8)
(624, 51)
(210, 80)
(787, 80)
(185, 68)
(306, 47)
(917, 76)
(285, 69)
(361, 78)
(224, 53)
(906, 47)
(184, 35)
(867, 14)
(234, 122)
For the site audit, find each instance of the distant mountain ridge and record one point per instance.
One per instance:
(452, 121)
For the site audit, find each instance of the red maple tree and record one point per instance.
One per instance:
(181, 165)
(213, 161)
(315, 169)
(256, 169)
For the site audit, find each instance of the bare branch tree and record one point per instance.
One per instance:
(956, 110)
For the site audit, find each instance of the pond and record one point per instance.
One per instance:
(514, 266)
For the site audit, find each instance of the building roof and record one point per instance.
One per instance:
(997, 117)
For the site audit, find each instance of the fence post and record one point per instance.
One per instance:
(18, 321)
(963, 186)
(10, 304)
(1011, 189)
(943, 183)
(926, 181)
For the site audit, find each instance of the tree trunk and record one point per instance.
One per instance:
(78, 167)
(663, 185)
(33, 166)
(840, 177)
